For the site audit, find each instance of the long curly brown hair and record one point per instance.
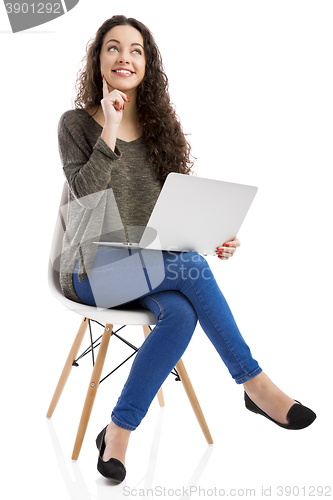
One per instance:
(168, 148)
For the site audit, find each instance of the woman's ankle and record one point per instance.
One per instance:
(258, 384)
(116, 442)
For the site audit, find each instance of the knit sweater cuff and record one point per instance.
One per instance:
(105, 149)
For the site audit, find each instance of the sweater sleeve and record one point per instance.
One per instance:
(88, 171)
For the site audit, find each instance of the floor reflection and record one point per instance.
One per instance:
(77, 487)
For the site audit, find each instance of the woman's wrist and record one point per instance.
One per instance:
(109, 134)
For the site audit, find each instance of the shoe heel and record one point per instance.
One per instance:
(250, 405)
(99, 438)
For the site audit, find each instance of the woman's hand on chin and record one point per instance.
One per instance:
(227, 250)
(113, 104)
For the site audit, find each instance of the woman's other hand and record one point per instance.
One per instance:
(227, 249)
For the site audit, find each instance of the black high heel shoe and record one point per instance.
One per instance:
(113, 468)
(299, 416)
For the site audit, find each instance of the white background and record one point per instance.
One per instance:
(252, 83)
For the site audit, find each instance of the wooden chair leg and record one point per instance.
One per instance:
(160, 397)
(68, 366)
(92, 390)
(193, 400)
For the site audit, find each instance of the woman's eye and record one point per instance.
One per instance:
(115, 49)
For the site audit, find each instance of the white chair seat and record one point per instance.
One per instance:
(113, 316)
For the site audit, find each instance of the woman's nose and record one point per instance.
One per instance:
(123, 58)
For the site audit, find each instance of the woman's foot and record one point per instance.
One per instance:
(116, 442)
(269, 398)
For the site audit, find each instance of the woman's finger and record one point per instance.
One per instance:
(105, 88)
(118, 103)
(119, 92)
(226, 252)
(235, 242)
(229, 244)
(222, 257)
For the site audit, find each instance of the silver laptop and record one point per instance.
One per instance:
(194, 214)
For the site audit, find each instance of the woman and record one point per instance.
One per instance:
(117, 147)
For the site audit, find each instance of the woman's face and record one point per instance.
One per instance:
(122, 58)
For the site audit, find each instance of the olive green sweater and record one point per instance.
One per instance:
(111, 193)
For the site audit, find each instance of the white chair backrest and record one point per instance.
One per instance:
(113, 316)
(56, 246)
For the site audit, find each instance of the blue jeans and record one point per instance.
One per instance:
(187, 292)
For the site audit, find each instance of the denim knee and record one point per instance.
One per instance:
(173, 306)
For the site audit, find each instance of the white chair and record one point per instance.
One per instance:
(111, 317)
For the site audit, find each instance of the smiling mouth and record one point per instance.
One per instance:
(123, 72)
